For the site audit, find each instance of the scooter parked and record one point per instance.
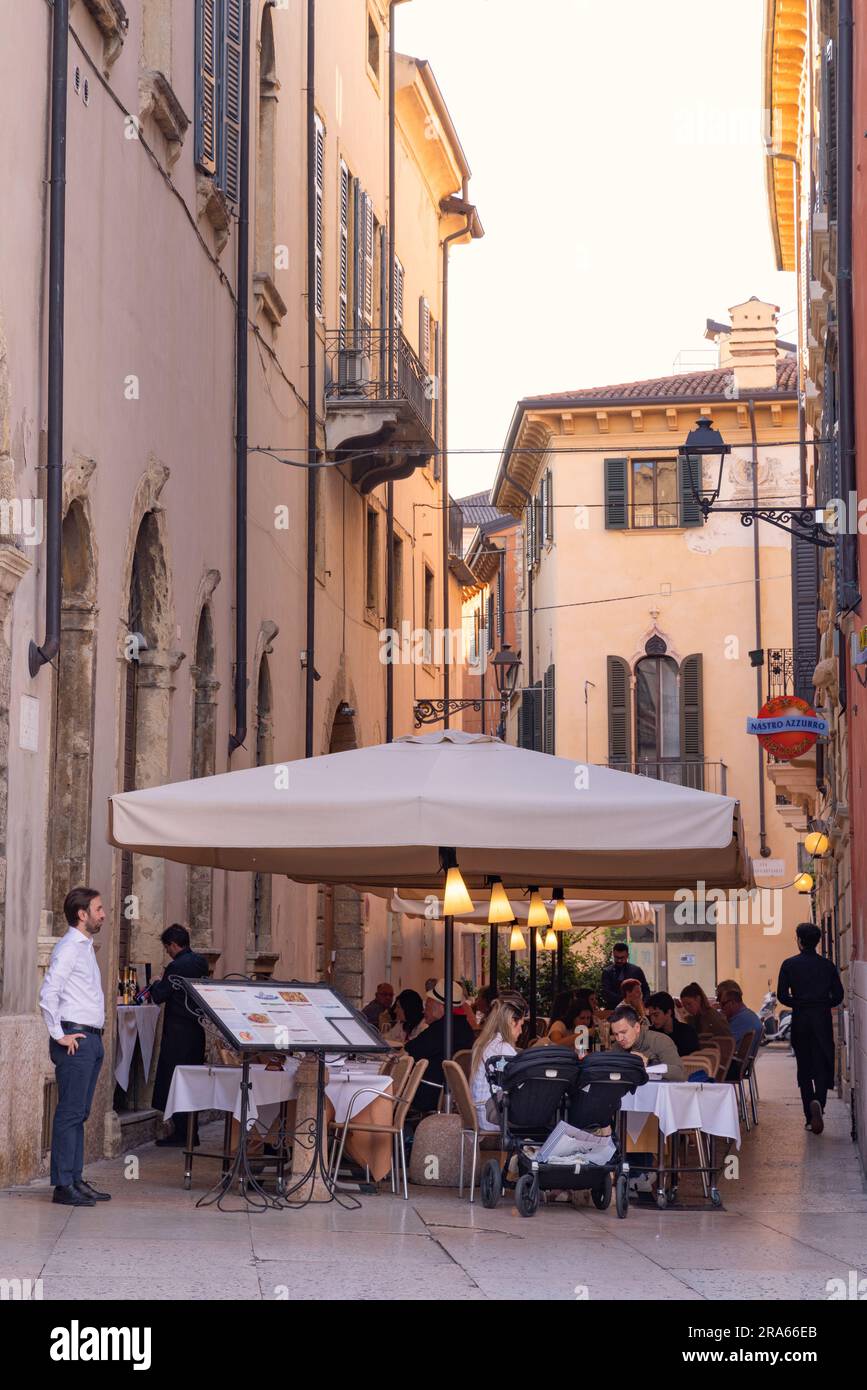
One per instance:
(775, 1027)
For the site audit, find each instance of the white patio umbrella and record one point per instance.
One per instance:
(587, 912)
(379, 818)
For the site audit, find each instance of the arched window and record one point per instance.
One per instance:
(655, 715)
(203, 764)
(657, 712)
(265, 153)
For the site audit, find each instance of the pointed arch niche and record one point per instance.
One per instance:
(203, 759)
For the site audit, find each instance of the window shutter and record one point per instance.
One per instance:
(805, 604)
(538, 729)
(490, 622)
(615, 494)
(691, 709)
(501, 601)
(319, 184)
(548, 701)
(424, 332)
(357, 261)
(398, 293)
(690, 511)
(549, 505)
(537, 528)
(343, 269)
(367, 221)
(206, 85)
(230, 161)
(436, 402)
(830, 171)
(619, 713)
(529, 722)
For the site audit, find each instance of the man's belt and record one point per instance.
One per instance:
(80, 1028)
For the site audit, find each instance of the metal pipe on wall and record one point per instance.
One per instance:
(845, 326)
(242, 308)
(389, 487)
(312, 451)
(39, 656)
(757, 590)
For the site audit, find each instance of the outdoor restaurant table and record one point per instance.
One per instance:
(709, 1107)
(197, 1088)
(134, 1021)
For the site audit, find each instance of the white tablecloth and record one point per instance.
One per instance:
(134, 1021)
(219, 1088)
(709, 1107)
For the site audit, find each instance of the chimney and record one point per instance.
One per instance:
(752, 346)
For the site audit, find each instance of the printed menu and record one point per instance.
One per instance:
(284, 1016)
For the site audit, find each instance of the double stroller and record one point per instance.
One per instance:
(533, 1093)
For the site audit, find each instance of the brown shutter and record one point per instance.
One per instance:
(619, 712)
(691, 709)
(206, 86)
(615, 494)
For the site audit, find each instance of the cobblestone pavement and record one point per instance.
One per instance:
(794, 1219)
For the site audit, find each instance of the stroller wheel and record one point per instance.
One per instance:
(527, 1194)
(621, 1196)
(602, 1195)
(491, 1184)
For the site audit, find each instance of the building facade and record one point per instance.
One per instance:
(226, 575)
(816, 100)
(637, 621)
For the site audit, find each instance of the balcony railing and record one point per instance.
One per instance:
(358, 369)
(790, 672)
(456, 529)
(702, 777)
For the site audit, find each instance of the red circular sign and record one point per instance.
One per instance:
(786, 746)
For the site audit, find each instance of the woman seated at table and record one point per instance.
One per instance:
(498, 1036)
(562, 1015)
(701, 1013)
(563, 1031)
(631, 994)
(409, 1018)
(481, 1006)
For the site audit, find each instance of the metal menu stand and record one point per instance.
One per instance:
(284, 1018)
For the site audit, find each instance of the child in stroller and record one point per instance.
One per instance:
(534, 1092)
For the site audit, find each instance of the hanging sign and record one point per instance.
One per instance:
(787, 727)
(859, 647)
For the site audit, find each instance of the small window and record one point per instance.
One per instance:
(373, 46)
(371, 586)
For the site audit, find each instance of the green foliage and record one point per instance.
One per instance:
(586, 954)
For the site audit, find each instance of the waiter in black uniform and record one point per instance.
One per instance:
(183, 1042)
(810, 986)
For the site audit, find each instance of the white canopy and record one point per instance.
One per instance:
(378, 817)
(588, 912)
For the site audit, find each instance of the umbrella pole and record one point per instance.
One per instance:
(560, 954)
(533, 982)
(448, 975)
(493, 952)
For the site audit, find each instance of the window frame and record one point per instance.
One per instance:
(374, 73)
(655, 504)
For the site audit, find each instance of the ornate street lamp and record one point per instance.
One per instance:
(705, 443)
(506, 666)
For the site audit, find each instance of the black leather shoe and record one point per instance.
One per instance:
(71, 1197)
(87, 1191)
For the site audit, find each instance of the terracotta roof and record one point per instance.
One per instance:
(682, 385)
(478, 511)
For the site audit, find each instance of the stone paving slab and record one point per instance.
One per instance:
(795, 1217)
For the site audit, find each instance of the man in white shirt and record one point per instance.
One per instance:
(73, 1006)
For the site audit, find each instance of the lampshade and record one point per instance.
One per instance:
(456, 900)
(817, 843)
(540, 940)
(516, 940)
(562, 920)
(500, 909)
(537, 914)
(550, 939)
(804, 883)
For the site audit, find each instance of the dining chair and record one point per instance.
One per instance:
(388, 1064)
(400, 1071)
(739, 1066)
(400, 1107)
(463, 1059)
(460, 1089)
(726, 1052)
(706, 1059)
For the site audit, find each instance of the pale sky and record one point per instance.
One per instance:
(617, 166)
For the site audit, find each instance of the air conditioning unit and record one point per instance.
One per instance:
(353, 371)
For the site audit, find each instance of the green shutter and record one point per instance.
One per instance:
(690, 511)
(615, 494)
(548, 716)
(619, 712)
(691, 709)
(549, 505)
(230, 156)
(206, 86)
(538, 730)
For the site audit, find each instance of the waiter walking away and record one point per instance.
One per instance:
(810, 986)
(183, 1041)
(73, 1006)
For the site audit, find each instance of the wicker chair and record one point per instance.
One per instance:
(463, 1059)
(740, 1069)
(400, 1107)
(726, 1052)
(460, 1090)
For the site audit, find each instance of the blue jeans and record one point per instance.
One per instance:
(77, 1075)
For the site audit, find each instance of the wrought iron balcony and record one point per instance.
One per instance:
(701, 777)
(379, 405)
(790, 672)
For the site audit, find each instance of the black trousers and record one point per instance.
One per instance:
(813, 1044)
(183, 1044)
(76, 1074)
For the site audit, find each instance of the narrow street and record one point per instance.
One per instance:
(795, 1219)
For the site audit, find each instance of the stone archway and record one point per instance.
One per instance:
(148, 664)
(68, 855)
(203, 762)
(259, 943)
(340, 909)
